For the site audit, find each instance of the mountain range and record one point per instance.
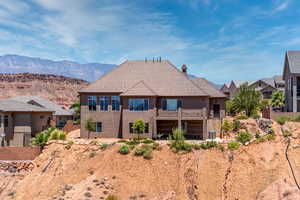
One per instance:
(25, 64)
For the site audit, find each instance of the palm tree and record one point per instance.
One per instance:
(277, 99)
(246, 99)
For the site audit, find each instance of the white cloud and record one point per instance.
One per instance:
(284, 5)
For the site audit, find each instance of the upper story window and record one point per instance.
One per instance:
(92, 102)
(115, 103)
(138, 104)
(104, 103)
(171, 104)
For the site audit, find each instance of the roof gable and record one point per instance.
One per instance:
(293, 59)
(8, 105)
(162, 77)
(140, 89)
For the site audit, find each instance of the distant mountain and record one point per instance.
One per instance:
(24, 64)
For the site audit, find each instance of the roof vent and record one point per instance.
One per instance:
(184, 68)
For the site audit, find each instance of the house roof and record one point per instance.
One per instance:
(293, 58)
(43, 103)
(9, 105)
(162, 78)
(140, 89)
(207, 87)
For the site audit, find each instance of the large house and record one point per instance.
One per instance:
(60, 115)
(291, 76)
(153, 91)
(20, 121)
(265, 86)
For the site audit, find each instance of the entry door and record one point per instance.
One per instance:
(216, 109)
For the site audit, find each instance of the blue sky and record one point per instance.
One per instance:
(218, 39)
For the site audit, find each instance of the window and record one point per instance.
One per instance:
(0, 121)
(104, 103)
(42, 117)
(216, 109)
(138, 104)
(171, 104)
(92, 101)
(132, 131)
(98, 126)
(115, 101)
(6, 121)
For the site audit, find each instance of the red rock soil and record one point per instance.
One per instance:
(258, 171)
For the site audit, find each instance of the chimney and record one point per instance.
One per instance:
(184, 68)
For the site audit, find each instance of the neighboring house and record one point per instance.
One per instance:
(291, 76)
(20, 121)
(60, 115)
(265, 86)
(157, 93)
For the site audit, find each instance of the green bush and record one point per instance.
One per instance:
(221, 147)
(57, 135)
(233, 145)
(255, 116)
(271, 132)
(40, 139)
(147, 141)
(132, 142)
(177, 141)
(229, 107)
(236, 125)
(261, 139)
(148, 154)
(207, 145)
(226, 126)
(104, 146)
(124, 149)
(244, 136)
(196, 146)
(286, 133)
(282, 119)
(122, 141)
(156, 146)
(257, 135)
(270, 137)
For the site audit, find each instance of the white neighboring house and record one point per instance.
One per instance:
(60, 115)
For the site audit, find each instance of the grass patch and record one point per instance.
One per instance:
(233, 145)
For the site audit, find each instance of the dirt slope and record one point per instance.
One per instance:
(203, 174)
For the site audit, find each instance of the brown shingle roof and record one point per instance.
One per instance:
(207, 87)
(140, 89)
(161, 77)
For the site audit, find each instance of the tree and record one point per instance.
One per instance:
(246, 99)
(138, 127)
(90, 126)
(229, 107)
(277, 99)
(76, 107)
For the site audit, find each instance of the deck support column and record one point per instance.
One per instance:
(294, 97)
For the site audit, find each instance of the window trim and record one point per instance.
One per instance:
(90, 99)
(104, 99)
(112, 103)
(131, 108)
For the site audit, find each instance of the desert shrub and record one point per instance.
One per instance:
(204, 146)
(92, 154)
(226, 126)
(156, 146)
(244, 136)
(229, 107)
(261, 139)
(271, 132)
(221, 147)
(236, 125)
(138, 152)
(57, 135)
(148, 154)
(124, 149)
(233, 145)
(255, 116)
(93, 142)
(40, 139)
(242, 116)
(177, 141)
(286, 133)
(132, 142)
(282, 119)
(147, 141)
(122, 141)
(211, 144)
(270, 137)
(196, 146)
(112, 197)
(257, 135)
(104, 146)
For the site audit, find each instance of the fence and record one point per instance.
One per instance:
(270, 114)
(19, 153)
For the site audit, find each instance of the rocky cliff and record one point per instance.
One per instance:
(60, 89)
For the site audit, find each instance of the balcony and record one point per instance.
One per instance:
(183, 114)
